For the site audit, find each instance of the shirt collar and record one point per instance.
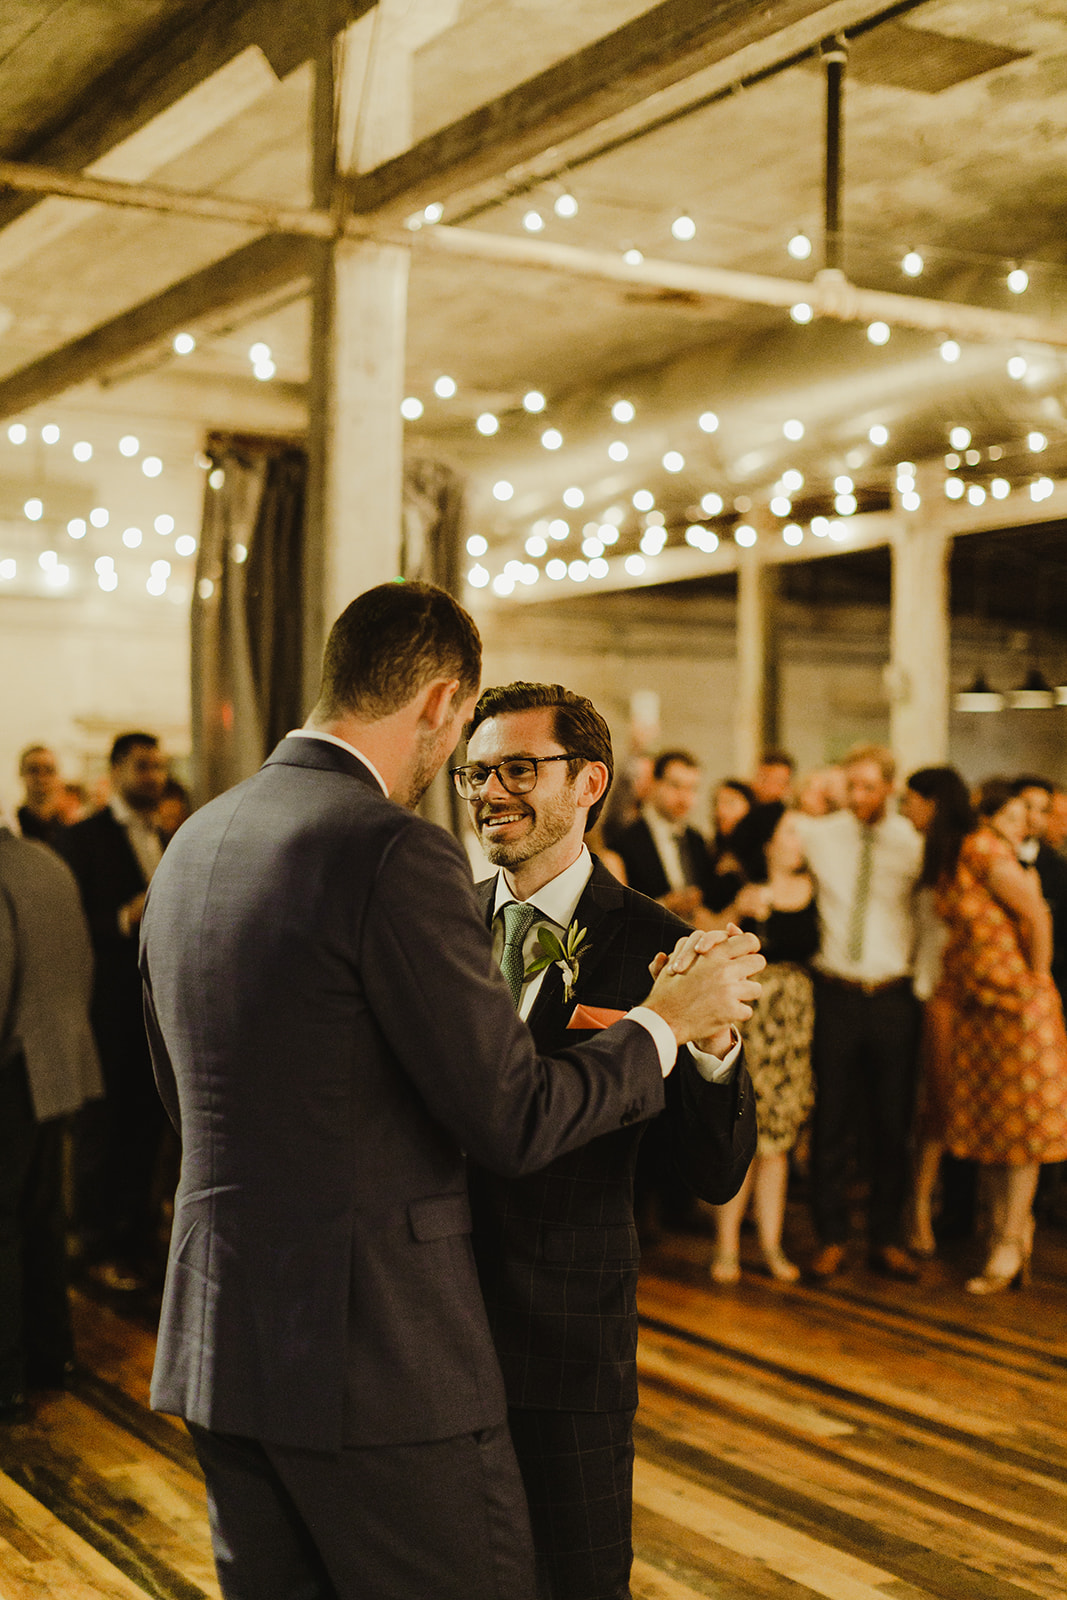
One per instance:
(660, 827)
(331, 738)
(123, 814)
(558, 899)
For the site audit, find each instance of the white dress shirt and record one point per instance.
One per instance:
(145, 843)
(331, 738)
(667, 841)
(832, 846)
(557, 901)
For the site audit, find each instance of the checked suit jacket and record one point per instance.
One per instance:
(557, 1250)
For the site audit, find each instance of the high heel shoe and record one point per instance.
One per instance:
(725, 1269)
(780, 1267)
(1017, 1273)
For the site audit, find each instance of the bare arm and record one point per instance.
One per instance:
(1019, 892)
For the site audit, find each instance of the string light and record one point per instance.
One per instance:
(843, 485)
(793, 429)
(644, 500)
(910, 500)
(793, 533)
(558, 529)
(801, 312)
(444, 387)
(653, 540)
(433, 212)
(578, 571)
(476, 545)
(131, 538)
(1041, 489)
(259, 352)
(954, 488)
(533, 401)
(551, 438)
(593, 546)
(503, 490)
(949, 350)
(959, 438)
(879, 332)
(536, 546)
(781, 505)
(711, 504)
(533, 222)
(1037, 442)
(792, 480)
(82, 451)
(1000, 488)
(129, 445)
(76, 528)
(17, 433)
(976, 494)
(8, 569)
(673, 461)
(50, 433)
(185, 545)
(845, 505)
(1017, 367)
(411, 408)
(99, 517)
(487, 424)
(264, 370)
(34, 509)
(573, 497)
(623, 411)
(820, 527)
(799, 247)
(164, 523)
(635, 565)
(633, 258)
(151, 466)
(1018, 280)
(878, 435)
(618, 451)
(684, 228)
(745, 534)
(556, 569)
(598, 567)
(184, 344)
(566, 205)
(708, 422)
(912, 264)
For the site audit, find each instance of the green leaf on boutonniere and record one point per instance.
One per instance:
(549, 942)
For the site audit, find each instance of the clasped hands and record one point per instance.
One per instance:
(706, 985)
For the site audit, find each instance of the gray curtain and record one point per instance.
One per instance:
(247, 615)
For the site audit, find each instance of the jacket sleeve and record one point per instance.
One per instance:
(713, 1128)
(447, 1015)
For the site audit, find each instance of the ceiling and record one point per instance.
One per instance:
(955, 145)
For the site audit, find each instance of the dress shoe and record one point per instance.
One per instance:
(827, 1261)
(725, 1269)
(894, 1262)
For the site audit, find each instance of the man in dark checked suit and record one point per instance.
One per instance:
(557, 1251)
(330, 1035)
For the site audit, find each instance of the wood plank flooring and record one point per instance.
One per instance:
(865, 1440)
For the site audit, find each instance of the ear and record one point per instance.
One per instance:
(438, 703)
(592, 782)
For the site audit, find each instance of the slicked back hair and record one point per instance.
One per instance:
(131, 741)
(576, 724)
(389, 644)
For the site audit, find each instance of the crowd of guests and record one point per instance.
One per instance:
(73, 1050)
(911, 1022)
(910, 1026)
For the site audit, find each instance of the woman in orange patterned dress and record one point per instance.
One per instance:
(1006, 1089)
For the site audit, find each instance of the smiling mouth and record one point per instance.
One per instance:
(501, 819)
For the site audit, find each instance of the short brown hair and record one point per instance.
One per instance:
(883, 758)
(577, 725)
(685, 758)
(390, 643)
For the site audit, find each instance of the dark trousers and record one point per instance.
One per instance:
(35, 1335)
(578, 1468)
(117, 1145)
(444, 1520)
(863, 1055)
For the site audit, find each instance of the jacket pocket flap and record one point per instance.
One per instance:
(439, 1216)
(590, 1246)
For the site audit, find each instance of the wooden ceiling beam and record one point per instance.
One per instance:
(267, 264)
(133, 92)
(533, 130)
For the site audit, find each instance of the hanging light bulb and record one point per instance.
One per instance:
(799, 246)
(684, 227)
(566, 205)
(1018, 280)
(912, 264)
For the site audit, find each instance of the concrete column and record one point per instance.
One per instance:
(918, 673)
(756, 684)
(361, 117)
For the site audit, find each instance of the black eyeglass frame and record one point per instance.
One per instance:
(462, 783)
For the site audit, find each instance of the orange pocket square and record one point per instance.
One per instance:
(594, 1017)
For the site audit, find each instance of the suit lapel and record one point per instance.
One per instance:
(601, 897)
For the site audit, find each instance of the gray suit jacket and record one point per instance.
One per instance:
(46, 976)
(330, 1034)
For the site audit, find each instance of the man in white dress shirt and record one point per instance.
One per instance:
(866, 862)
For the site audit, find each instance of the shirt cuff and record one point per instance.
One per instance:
(662, 1035)
(711, 1068)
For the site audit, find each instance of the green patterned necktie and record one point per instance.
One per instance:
(518, 920)
(861, 895)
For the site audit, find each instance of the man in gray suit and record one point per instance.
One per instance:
(331, 1035)
(48, 1069)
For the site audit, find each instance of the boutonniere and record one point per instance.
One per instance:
(565, 953)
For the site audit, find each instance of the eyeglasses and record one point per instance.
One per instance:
(518, 775)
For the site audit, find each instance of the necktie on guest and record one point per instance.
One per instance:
(861, 895)
(519, 918)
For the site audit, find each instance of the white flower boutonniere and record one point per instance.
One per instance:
(565, 953)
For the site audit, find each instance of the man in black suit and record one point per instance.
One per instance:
(113, 855)
(557, 1250)
(48, 1069)
(330, 1035)
(664, 857)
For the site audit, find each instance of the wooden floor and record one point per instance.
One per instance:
(863, 1441)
